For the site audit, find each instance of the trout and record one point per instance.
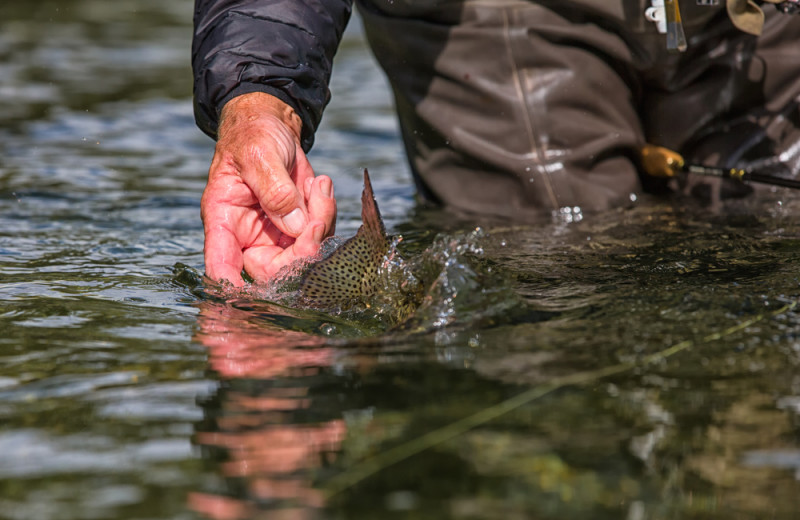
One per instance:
(355, 274)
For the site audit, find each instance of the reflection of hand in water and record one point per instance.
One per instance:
(257, 423)
(239, 347)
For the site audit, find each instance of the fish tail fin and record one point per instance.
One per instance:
(349, 275)
(371, 220)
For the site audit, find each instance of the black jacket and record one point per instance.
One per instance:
(282, 47)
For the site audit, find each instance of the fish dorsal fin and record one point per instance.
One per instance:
(349, 274)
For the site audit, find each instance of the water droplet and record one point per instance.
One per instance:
(567, 214)
(329, 329)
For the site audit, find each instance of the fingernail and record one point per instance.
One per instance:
(307, 186)
(295, 222)
(326, 187)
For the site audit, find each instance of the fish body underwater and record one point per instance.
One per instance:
(365, 272)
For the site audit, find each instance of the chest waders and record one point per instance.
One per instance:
(527, 109)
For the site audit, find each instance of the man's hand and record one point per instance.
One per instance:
(262, 207)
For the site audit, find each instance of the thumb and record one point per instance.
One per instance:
(264, 148)
(281, 200)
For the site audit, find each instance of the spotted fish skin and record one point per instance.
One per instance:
(349, 275)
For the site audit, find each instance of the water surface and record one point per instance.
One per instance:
(130, 388)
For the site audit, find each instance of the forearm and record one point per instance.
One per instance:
(284, 49)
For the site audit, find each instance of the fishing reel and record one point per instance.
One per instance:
(658, 161)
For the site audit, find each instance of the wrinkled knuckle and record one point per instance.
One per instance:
(280, 199)
(252, 153)
(285, 146)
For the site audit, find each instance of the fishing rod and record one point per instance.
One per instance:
(663, 162)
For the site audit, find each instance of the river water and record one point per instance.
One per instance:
(640, 364)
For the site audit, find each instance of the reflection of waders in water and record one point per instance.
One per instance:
(521, 108)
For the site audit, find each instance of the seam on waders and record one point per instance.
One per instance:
(535, 145)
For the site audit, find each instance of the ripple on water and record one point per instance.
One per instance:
(32, 453)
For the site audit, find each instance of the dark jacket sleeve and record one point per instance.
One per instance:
(281, 47)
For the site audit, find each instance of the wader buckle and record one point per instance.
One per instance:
(657, 15)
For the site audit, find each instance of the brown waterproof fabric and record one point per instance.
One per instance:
(519, 108)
